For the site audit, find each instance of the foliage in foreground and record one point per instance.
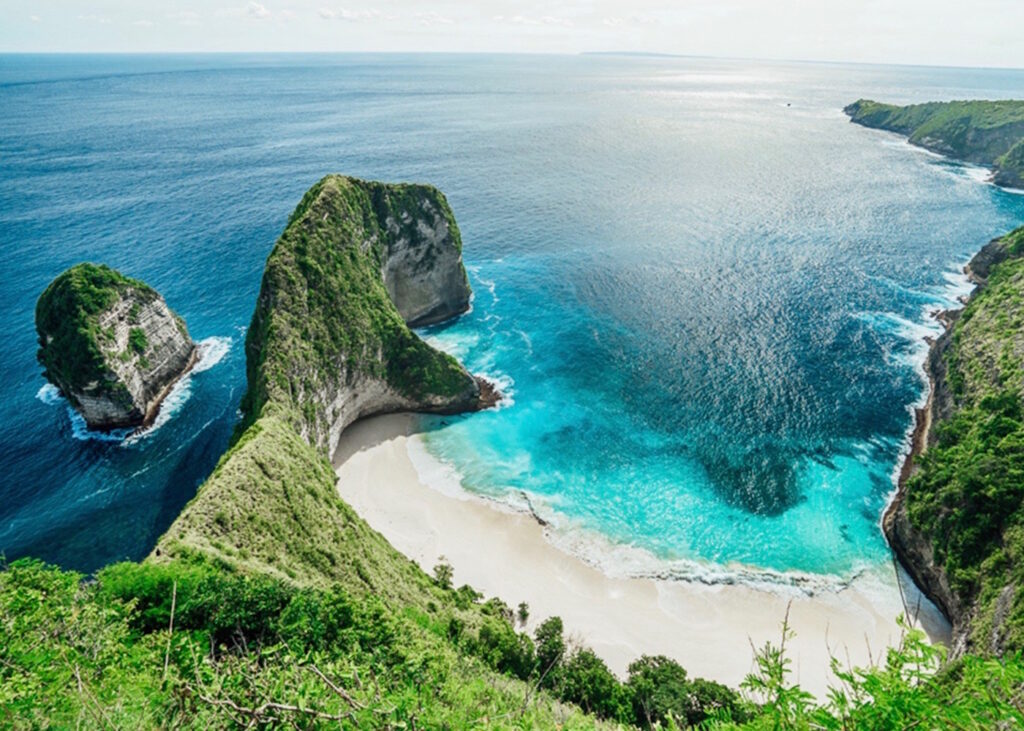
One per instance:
(193, 645)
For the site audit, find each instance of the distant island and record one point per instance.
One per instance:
(989, 133)
(111, 345)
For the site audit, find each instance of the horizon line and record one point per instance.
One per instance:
(566, 54)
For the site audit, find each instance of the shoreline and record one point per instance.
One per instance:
(154, 408)
(711, 629)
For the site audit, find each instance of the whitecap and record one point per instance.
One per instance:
(211, 352)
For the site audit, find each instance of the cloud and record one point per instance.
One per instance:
(257, 11)
(184, 17)
(432, 18)
(535, 20)
(34, 18)
(352, 16)
(143, 23)
(93, 18)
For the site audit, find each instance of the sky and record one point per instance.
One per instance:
(927, 32)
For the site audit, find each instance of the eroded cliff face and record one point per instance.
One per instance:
(423, 269)
(330, 341)
(111, 345)
(912, 547)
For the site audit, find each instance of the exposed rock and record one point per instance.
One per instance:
(111, 345)
(423, 269)
(358, 264)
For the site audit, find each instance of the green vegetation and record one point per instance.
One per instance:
(194, 644)
(67, 320)
(324, 314)
(984, 132)
(270, 604)
(137, 340)
(968, 493)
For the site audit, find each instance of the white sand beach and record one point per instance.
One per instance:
(709, 629)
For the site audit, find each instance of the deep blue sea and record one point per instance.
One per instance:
(704, 290)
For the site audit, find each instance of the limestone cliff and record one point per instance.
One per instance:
(358, 264)
(989, 133)
(955, 523)
(111, 345)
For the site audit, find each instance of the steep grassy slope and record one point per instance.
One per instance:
(966, 496)
(982, 132)
(191, 645)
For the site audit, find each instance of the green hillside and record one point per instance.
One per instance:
(982, 132)
(967, 496)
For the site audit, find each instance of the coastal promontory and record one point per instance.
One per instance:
(989, 133)
(111, 345)
(358, 264)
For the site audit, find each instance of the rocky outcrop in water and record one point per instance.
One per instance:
(111, 345)
(358, 264)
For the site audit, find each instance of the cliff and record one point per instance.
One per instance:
(358, 264)
(111, 345)
(956, 523)
(989, 133)
(329, 343)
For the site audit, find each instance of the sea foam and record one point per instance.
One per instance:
(211, 352)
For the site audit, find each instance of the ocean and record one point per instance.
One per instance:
(703, 290)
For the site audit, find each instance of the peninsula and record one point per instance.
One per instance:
(989, 133)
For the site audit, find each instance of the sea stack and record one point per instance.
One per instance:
(111, 345)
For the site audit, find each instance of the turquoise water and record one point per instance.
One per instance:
(703, 289)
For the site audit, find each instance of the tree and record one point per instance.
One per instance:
(443, 573)
(659, 689)
(523, 613)
(550, 647)
(586, 681)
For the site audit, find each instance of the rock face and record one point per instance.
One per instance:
(989, 133)
(422, 266)
(358, 264)
(111, 345)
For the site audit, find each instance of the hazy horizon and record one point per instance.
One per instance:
(903, 32)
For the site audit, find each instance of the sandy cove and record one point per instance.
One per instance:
(709, 629)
